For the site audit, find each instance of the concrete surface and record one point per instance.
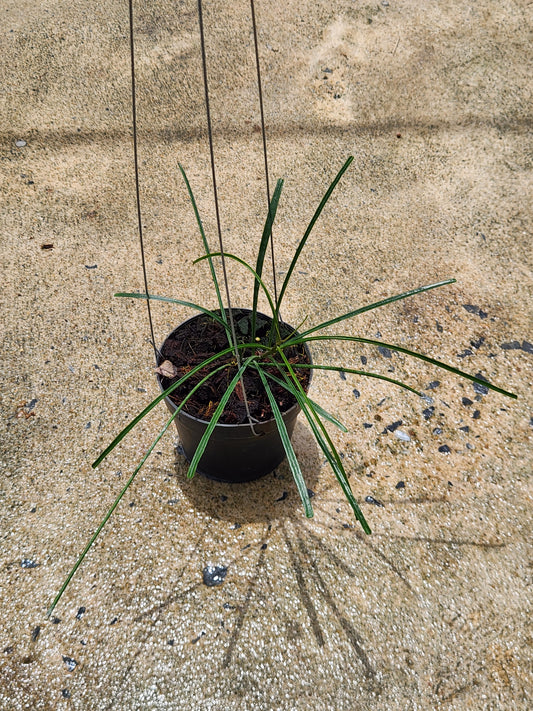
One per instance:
(434, 610)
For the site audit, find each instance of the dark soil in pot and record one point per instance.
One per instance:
(201, 337)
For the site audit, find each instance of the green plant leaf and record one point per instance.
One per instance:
(331, 453)
(206, 245)
(267, 231)
(334, 460)
(308, 231)
(377, 305)
(289, 451)
(365, 373)
(108, 515)
(130, 480)
(399, 349)
(155, 402)
(152, 297)
(215, 418)
(287, 384)
(251, 269)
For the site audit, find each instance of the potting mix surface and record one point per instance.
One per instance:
(201, 338)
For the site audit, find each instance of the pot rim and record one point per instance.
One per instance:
(222, 424)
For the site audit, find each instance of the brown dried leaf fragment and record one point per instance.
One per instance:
(167, 369)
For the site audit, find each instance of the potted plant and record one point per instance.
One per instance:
(249, 379)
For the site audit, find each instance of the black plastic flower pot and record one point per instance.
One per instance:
(235, 452)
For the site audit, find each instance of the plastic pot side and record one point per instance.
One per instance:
(234, 453)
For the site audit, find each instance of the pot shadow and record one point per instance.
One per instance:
(273, 496)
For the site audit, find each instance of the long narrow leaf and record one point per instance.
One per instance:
(250, 268)
(267, 231)
(287, 384)
(309, 228)
(215, 418)
(400, 349)
(333, 458)
(376, 305)
(289, 451)
(155, 402)
(364, 373)
(108, 515)
(152, 297)
(206, 245)
(104, 521)
(331, 454)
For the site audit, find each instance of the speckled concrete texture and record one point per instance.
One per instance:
(433, 611)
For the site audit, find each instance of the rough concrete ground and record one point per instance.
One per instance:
(433, 611)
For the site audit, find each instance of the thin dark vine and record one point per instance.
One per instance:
(136, 163)
(263, 134)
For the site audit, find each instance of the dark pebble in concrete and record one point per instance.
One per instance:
(444, 449)
(437, 431)
(476, 414)
(342, 374)
(385, 352)
(466, 428)
(467, 401)
(428, 412)
(71, 663)
(527, 347)
(80, 613)
(35, 633)
(372, 500)
(28, 563)
(214, 575)
(394, 425)
(367, 425)
(400, 485)
(364, 360)
(434, 384)
(356, 393)
(472, 309)
(511, 346)
(283, 496)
